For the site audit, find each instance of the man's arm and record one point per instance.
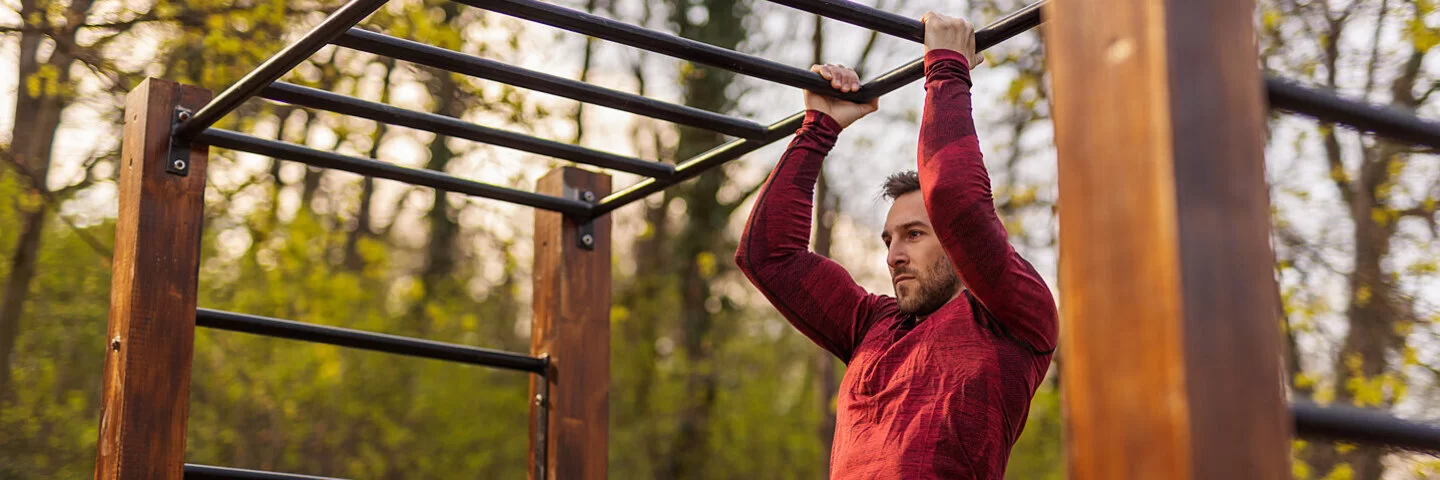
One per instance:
(814, 293)
(956, 189)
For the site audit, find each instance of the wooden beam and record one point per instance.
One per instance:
(572, 326)
(152, 294)
(1171, 343)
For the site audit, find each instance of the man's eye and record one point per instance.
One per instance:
(915, 233)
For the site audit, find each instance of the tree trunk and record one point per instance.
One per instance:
(697, 247)
(37, 117)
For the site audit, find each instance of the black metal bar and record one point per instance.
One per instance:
(993, 34)
(457, 62)
(863, 16)
(1364, 426)
(207, 472)
(453, 127)
(379, 342)
(999, 31)
(337, 23)
(377, 169)
(1327, 106)
(663, 43)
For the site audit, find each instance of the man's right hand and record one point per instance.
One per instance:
(844, 80)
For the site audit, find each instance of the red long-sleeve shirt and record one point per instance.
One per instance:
(942, 398)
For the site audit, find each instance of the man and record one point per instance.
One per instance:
(939, 377)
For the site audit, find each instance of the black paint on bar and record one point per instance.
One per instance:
(378, 169)
(999, 31)
(1363, 426)
(453, 127)
(863, 16)
(663, 43)
(206, 472)
(344, 337)
(457, 62)
(337, 23)
(1326, 106)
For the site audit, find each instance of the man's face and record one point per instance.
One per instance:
(921, 272)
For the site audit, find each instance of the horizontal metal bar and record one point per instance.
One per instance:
(1358, 425)
(862, 15)
(663, 43)
(993, 34)
(206, 472)
(379, 342)
(1327, 106)
(453, 127)
(999, 31)
(457, 62)
(373, 168)
(337, 23)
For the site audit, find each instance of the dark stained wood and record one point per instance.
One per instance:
(572, 326)
(1171, 344)
(152, 296)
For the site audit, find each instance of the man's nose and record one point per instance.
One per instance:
(897, 257)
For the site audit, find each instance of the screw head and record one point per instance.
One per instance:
(178, 164)
(539, 400)
(587, 239)
(183, 115)
(589, 196)
(115, 343)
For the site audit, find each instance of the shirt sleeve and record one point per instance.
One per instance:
(815, 294)
(956, 190)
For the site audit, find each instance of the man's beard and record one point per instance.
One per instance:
(937, 285)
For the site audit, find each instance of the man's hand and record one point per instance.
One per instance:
(950, 33)
(844, 80)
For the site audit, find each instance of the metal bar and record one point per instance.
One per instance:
(377, 169)
(540, 451)
(453, 127)
(1327, 106)
(1364, 426)
(862, 16)
(993, 34)
(457, 62)
(337, 23)
(999, 31)
(207, 472)
(663, 43)
(379, 342)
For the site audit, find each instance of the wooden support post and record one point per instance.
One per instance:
(152, 294)
(1171, 341)
(572, 327)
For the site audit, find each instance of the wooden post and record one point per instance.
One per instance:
(152, 295)
(572, 326)
(1171, 341)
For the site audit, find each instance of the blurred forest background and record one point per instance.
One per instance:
(709, 382)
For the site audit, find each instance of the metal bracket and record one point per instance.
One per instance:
(177, 159)
(585, 229)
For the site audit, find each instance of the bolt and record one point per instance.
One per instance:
(588, 239)
(115, 343)
(589, 196)
(178, 164)
(539, 400)
(183, 115)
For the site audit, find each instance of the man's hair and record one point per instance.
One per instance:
(900, 183)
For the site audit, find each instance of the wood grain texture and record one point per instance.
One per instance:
(572, 326)
(152, 295)
(1171, 345)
